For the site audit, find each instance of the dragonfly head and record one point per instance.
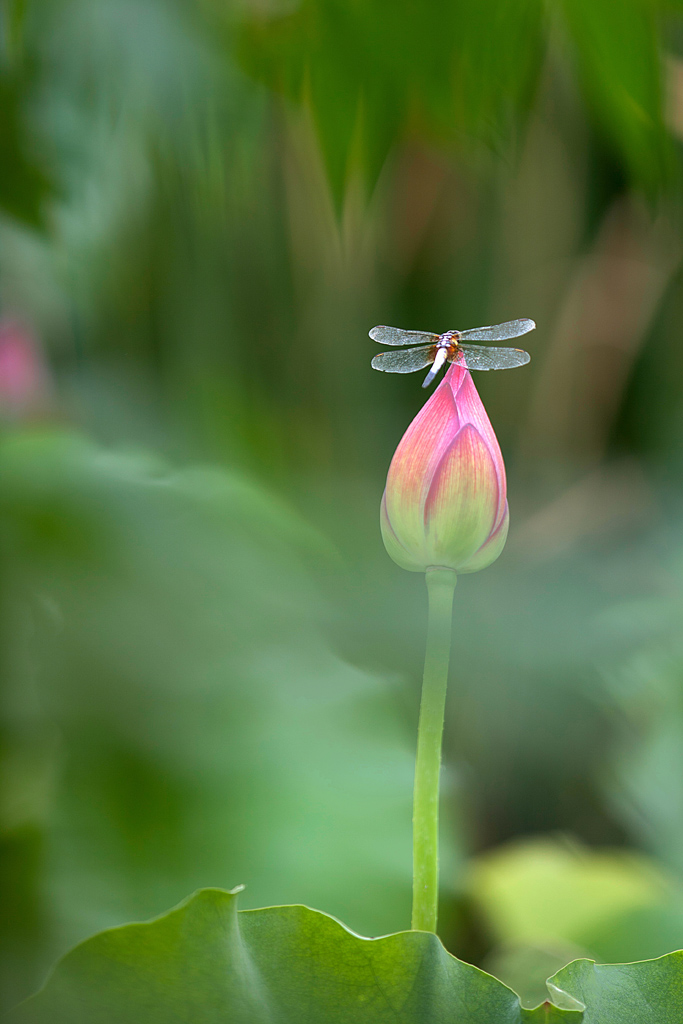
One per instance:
(448, 340)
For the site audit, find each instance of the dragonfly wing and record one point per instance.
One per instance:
(395, 336)
(499, 332)
(407, 361)
(486, 357)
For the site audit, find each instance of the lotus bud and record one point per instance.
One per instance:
(445, 502)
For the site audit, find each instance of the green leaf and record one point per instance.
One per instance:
(203, 963)
(649, 992)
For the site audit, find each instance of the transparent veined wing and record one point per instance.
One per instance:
(499, 332)
(407, 361)
(395, 336)
(487, 357)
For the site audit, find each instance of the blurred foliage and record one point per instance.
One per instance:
(371, 72)
(374, 74)
(25, 185)
(548, 902)
(643, 779)
(210, 675)
(176, 716)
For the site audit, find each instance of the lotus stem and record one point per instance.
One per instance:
(440, 588)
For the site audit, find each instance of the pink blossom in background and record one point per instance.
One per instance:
(445, 502)
(24, 382)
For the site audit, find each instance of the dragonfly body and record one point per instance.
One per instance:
(436, 349)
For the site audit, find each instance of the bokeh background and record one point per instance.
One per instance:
(210, 668)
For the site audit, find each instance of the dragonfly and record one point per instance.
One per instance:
(437, 349)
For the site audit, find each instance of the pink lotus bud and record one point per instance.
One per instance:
(445, 503)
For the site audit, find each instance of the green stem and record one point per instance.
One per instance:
(440, 587)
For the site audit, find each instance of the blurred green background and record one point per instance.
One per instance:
(210, 667)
